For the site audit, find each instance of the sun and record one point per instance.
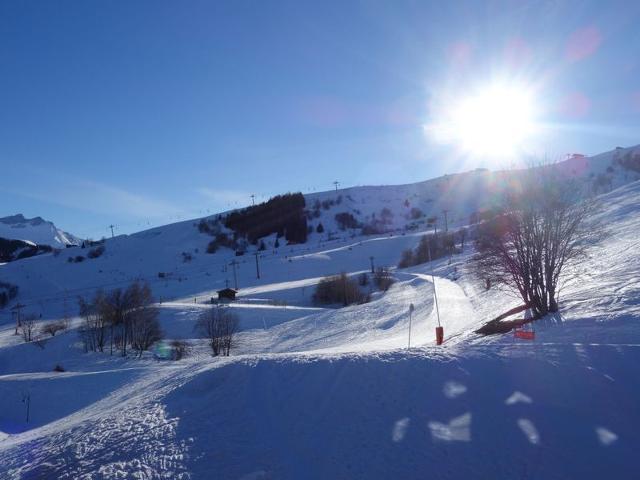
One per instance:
(495, 121)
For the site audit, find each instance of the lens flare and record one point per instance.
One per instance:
(494, 121)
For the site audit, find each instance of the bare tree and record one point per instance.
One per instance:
(219, 326)
(179, 349)
(28, 326)
(141, 318)
(229, 328)
(463, 235)
(93, 330)
(127, 317)
(383, 278)
(547, 229)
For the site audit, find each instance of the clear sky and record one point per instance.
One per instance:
(141, 113)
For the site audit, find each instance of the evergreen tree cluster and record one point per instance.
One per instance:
(17, 249)
(282, 214)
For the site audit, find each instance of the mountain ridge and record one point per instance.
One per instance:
(35, 230)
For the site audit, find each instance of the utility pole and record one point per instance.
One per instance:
(111, 227)
(371, 260)
(257, 265)
(446, 223)
(26, 398)
(253, 199)
(439, 329)
(411, 308)
(235, 274)
(16, 311)
(336, 183)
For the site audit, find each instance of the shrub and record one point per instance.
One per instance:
(374, 228)
(630, 161)
(203, 226)
(54, 327)
(386, 215)
(363, 279)
(79, 259)
(96, 252)
(383, 279)
(186, 257)
(416, 213)
(212, 246)
(338, 289)
(406, 259)
(209, 226)
(8, 292)
(58, 368)
(179, 349)
(320, 228)
(346, 220)
(430, 246)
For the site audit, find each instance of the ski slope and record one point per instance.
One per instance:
(314, 392)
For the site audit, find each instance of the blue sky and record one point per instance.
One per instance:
(142, 113)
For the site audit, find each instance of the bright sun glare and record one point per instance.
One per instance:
(495, 121)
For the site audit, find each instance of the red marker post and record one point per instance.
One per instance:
(439, 328)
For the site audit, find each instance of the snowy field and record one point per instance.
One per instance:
(331, 392)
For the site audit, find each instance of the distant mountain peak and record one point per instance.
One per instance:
(36, 230)
(19, 218)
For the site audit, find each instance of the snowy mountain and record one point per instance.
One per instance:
(409, 207)
(35, 230)
(178, 250)
(325, 392)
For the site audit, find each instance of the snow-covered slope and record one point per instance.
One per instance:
(334, 393)
(178, 251)
(35, 230)
(314, 392)
(461, 195)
